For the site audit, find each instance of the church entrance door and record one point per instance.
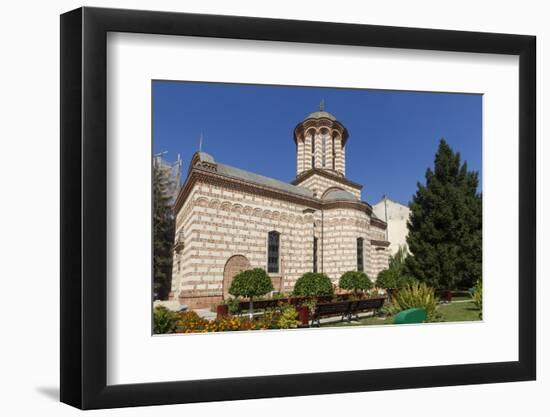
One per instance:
(233, 266)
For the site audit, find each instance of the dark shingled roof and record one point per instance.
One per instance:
(339, 195)
(321, 115)
(241, 174)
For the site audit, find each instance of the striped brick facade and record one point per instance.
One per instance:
(320, 143)
(319, 184)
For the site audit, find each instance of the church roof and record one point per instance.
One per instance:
(321, 115)
(203, 156)
(337, 194)
(321, 118)
(241, 174)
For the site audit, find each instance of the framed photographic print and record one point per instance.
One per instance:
(258, 208)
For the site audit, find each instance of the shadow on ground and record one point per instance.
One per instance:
(50, 392)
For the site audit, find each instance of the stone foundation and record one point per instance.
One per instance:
(200, 302)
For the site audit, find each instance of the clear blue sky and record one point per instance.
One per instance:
(393, 134)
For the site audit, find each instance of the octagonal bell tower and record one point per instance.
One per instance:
(321, 143)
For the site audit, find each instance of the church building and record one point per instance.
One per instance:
(229, 220)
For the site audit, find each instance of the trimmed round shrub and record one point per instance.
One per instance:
(356, 281)
(251, 283)
(313, 284)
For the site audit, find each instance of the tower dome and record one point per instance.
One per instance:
(321, 143)
(321, 114)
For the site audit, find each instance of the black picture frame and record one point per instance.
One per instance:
(84, 207)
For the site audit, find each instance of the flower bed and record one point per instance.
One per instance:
(284, 317)
(191, 322)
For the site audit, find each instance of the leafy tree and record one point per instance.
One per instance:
(396, 274)
(313, 284)
(251, 283)
(356, 281)
(445, 224)
(397, 261)
(387, 279)
(163, 235)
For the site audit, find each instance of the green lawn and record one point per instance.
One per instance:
(465, 311)
(456, 311)
(461, 297)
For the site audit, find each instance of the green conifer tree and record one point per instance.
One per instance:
(445, 224)
(163, 235)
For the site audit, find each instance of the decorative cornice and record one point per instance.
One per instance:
(374, 221)
(327, 174)
(355, 205)
(198, 173)
(383, 243)
(317, 123)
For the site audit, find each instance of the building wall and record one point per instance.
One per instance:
(320, 184)
(219, 223)
(396, 216)
(215, 224)
(341, 229)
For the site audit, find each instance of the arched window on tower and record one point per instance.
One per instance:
(313, 149)
(273, 239)
(333, 153)
(324, 139)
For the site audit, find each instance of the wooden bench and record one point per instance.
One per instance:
(324, 308)
(369, 304)
(340, 308)
(260, 304)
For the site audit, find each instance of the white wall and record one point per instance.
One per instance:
(30, 203)
(396, 216)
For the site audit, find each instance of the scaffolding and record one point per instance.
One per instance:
(170, 173)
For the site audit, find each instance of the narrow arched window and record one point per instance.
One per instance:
(324, 139)
(360, 265)
(333, 154)
(313, 149)
(314, 254)
(273, 239)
